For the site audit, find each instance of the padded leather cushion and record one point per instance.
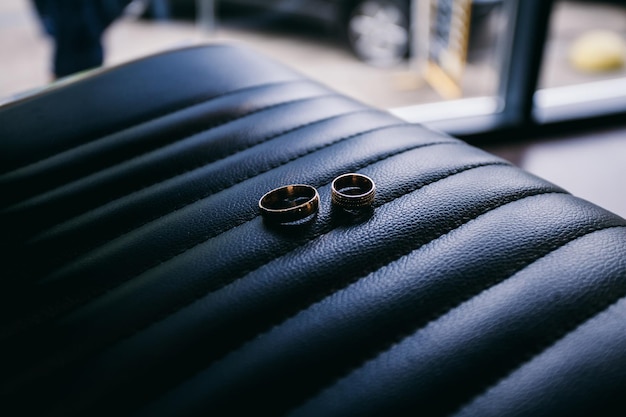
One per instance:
(139, 278)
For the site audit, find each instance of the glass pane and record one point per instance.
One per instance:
(367, 49)
(584, 68)
(586, 43)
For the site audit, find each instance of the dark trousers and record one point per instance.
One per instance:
(76, 26)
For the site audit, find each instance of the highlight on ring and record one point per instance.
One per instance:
(353, 191)
(290, 203)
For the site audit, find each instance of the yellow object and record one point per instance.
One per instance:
(598, 50)
(441, 82)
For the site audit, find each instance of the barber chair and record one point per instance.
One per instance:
(140, 278)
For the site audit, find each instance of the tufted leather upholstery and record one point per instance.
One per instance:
(138, 277)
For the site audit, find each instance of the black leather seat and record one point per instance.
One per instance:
(138, 277)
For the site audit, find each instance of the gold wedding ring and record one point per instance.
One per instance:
(353, 191)
(289, 203)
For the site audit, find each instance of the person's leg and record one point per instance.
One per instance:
(160, 9)
(78, 35)
(78, 45)
(42, 8)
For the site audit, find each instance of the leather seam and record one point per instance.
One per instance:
(444, 311)
(246, 272)
(196, 166)
(186, 136)
(164, 113)
(352, 281)
(593, 311)
(175, 309)
(204, 238)
(408, 191)
(242, 275)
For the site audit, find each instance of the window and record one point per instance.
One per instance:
(584, 68)
(466, 67)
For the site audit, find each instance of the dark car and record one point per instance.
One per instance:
(378, 31)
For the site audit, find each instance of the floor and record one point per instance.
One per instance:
(592, 166)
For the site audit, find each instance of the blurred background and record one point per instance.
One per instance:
(427, 61)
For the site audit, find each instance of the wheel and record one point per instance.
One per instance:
(378, 31)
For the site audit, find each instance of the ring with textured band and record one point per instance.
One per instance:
(289, 203)
(353, 191)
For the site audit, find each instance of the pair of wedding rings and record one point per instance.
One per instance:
(296, 202)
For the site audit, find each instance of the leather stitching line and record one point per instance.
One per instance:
(595, 310)
(335, 289)
(444, 311)
(187, 135)
(204, 238)
(245, 272)
(197, 166)
(156, 117)
(408, 191)
(175, 309)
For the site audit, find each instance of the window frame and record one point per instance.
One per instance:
(519, 110)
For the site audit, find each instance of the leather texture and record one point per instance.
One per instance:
(140, 279)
